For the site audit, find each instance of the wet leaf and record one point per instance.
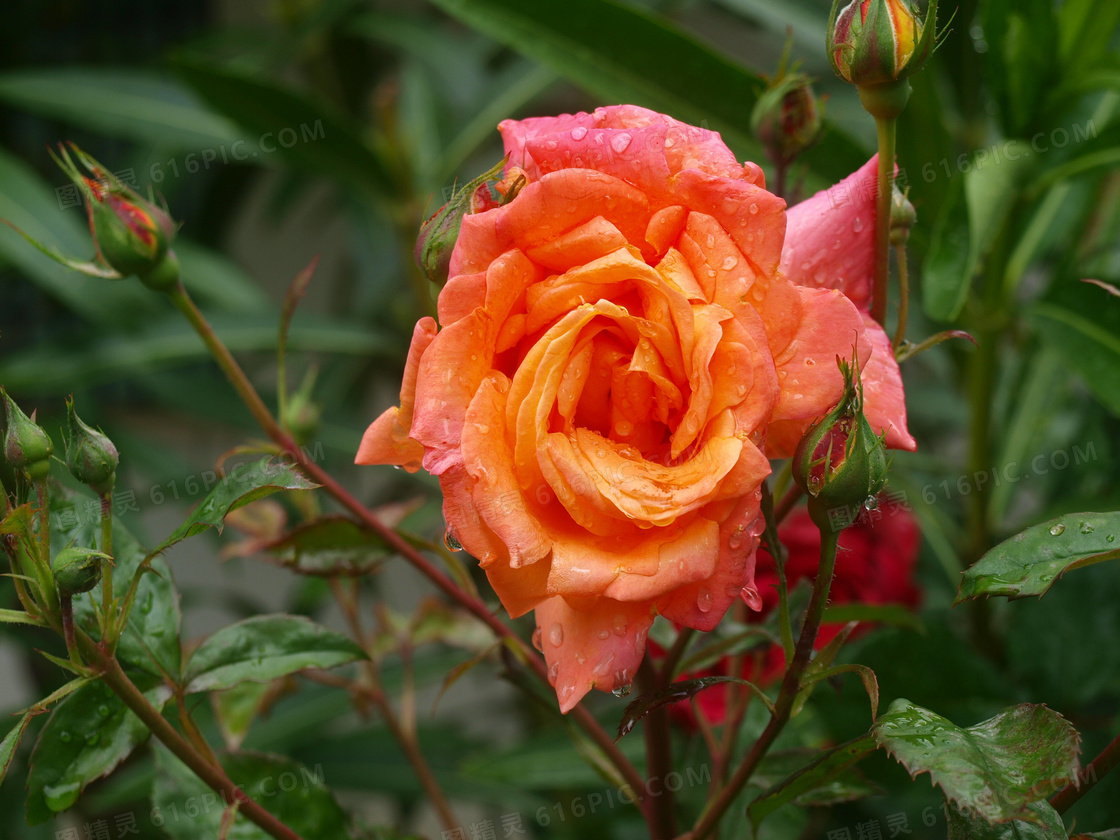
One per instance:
(993, 769)
(329, 546)
(1045, 824)
(1030, 562)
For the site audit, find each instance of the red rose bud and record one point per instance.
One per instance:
(130, 233)
(841, 462)
(903, 216)
(873, 42)
(27, 446)
(438, 235)
(90, 456)
(787, 118)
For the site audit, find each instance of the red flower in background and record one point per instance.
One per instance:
(875, 565)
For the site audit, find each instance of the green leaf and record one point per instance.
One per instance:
(1085, 28)
(86, 737)
(1030, 562)
(329, 546)
(824, 771)
(293, 793)
(1045, 824)
(236, 708)
(995, 768)
(978, 204)
(20, 617)
(263, 648)
(10, 743)
(322, 142)
(618, 53)
(1020, 60)
(1082, 323)
(674, 693)
(245, 483)
(120, 103)
(33, 206)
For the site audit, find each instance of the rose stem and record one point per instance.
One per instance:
(211, 773)
(774, 546)
(476, 606)
(347, 602)
(788, 502)
(659, 754)
(107, 568)
(42, 563)
(676, 652)
(885, 130)
(903, 294)
(1098, 768)
(791, 684)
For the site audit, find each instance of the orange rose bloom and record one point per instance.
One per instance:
(618, 355)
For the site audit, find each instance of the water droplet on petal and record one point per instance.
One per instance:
(620, 625)
(1057, 529)
(871, 503)
(556, 635)
(620, 141)
(579, 132)
(604, 634)
(624, 428)
(857, 225)
(622, 690)
(753, 208)
(704, 601)
(729, 263)
(736, 539)
(553, 673)
(537, 643)
(622, 683)
(451, 541)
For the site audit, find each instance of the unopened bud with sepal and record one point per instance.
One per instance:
(840, 462)
(27, 446)
(90, 456)
(77, 570)
(787, 117)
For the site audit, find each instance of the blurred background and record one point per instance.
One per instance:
(280, 131)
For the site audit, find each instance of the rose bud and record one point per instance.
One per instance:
(90, 456)
(787, 118)
(438, 235)
(131, 234)
(874, 42)
(840, 462)
(903, 216)
(26, 446)
(77, 570)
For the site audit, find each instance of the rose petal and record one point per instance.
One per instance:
(884, 403)
(387, 440)
(600, 646)
(830, 238)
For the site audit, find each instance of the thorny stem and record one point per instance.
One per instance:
(441, 580)
(1098, 768)
(885, 131)
(210, 773)
(659, 754)
(791, 684)
(371, 686)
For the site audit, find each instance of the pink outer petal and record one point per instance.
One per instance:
(807, 373)
(387, 440)
(884, 403)
(600, 646)
(830, 238)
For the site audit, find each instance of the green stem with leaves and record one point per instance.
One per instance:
(791, 685)
(398, 544)
(211, 773)
(107, 566)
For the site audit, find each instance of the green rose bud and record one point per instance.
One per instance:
(26, 446)
(840, 462)
(787, 118)
(438, 235)
(77, 570)
(903, 217)
(90, 456)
